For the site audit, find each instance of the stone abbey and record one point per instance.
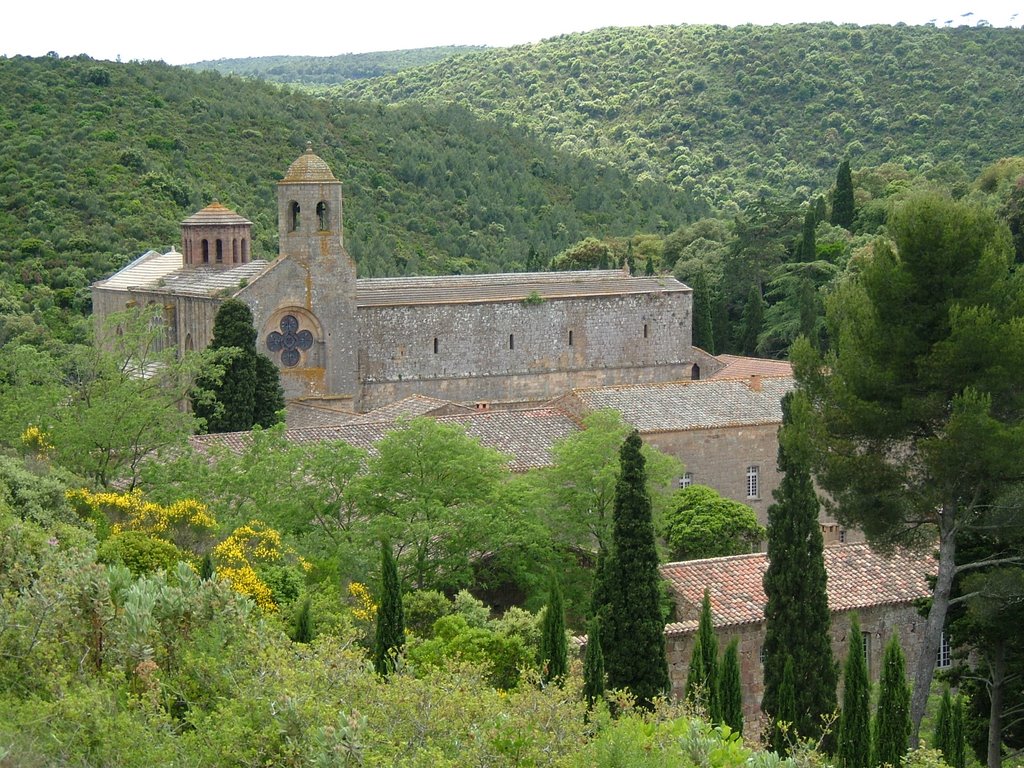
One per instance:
(352, 344)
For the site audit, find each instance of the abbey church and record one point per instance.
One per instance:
(352, 345)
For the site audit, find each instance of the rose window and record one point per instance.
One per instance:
(289, 341)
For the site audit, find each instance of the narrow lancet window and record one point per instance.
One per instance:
(321, 216)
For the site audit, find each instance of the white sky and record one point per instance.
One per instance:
(184, 31)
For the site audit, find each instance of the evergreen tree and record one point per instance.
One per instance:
(206, 570)
(842, 197)
(634, 639)
(808, 248)
(593, 665)
(892, 717)
(958, 736)
(730, 688)
(820, 214)
(784, 720)
(554, 647)
(797, 616)
(709, 650)
(854, 749)
(249, 393)
(696, 678)
(649, 267)
(703, 333)
(944, 727)
(390, 635)
(753, 321)
(304, 631)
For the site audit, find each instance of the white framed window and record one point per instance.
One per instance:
(753, 482)
(945, 656)
(686, 480)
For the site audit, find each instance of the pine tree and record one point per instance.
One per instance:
(797, 616)
(855, 722)
(390, 635)
(842, 197)
(554, 647)
(593, 665)
(892, 717)
(634, 639)
(730, 689)
(249, 393)
(304, 630)
(753, 321)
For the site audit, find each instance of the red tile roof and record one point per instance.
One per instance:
(736, 366)
(858, 577)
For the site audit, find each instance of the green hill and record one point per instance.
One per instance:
(731, 114)
(326, 70)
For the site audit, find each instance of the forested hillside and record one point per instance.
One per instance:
(331, 69)
(732, 113)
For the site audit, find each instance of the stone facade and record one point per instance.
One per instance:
(360, 344)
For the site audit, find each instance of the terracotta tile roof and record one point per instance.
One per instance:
(858, 577)
(526, 436)
(682, 405)
(407, 407)
(462, 289)
(307, 413)
(735, 366)
(215, 214)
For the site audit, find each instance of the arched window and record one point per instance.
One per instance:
(294, 217)
(245, 251)
(206, 251)
(695, 372)
(234, 250)
(220, 251)
(321, 216)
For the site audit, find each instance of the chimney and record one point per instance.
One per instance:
(482, 406)
(755, 382)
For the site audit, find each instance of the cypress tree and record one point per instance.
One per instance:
(554, 648)
(304, 631)
(634, 640)
(649, 267)
(944, 727)
(389, 638)
(808, 250)
(593, 665)
(753, 321)
(784, 721)
(842, 197)
(855, 722)
(819, 209)
(797, 617)
(697, 678)
(703, 333)
(958, 737)
(249, 393)
(206, 570)
(709, 650)
(892, 717)
(730, 689)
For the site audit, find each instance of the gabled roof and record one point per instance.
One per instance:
(514, 286)
(408, 407)
(526, 436)
(858, 577)
(683, 405)
(166, 273)
(736, 366)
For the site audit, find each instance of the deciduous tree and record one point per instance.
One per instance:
(699, 522)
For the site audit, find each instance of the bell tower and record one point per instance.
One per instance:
(321, 290)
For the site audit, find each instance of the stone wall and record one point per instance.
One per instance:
(519, 350)
(877, 623)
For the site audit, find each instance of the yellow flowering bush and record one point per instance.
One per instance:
(36, 440)
(365, 609)
(248, 545)
(183, 522)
